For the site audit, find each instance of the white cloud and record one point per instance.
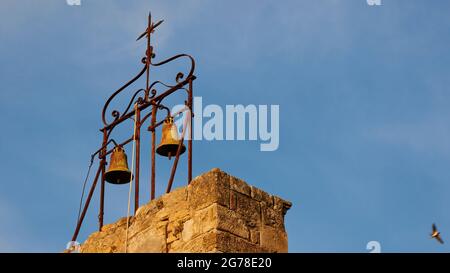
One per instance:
(429, 135)
(9, 216)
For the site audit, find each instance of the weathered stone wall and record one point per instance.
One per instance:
(215, 213)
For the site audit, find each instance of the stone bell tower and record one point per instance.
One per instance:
(215, 213)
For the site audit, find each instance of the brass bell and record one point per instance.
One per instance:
(118, 172)
(169, 140)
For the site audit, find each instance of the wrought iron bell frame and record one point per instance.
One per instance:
(142, 100)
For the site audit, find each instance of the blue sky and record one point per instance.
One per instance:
(364, 112)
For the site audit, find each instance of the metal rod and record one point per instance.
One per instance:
(174, 167)
(102, 185)
(149, 55)
(153, 173)
(86, 204)
(190, 133)
(138, 149)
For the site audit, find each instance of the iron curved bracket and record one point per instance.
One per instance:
(115, 113)
(180, 75)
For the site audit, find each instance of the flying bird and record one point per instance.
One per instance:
(436, 234)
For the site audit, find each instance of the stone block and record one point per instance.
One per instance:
(272, 217)
(273, 239)
(281, 204)
(233, 200)
(240, 186)
(204, 219)
(261, 196)
(148, 242)
(209, 188)
(227, 242)
(230, 221)
(206, 242)
(249, 209)
(188, 230)
(254, 236)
